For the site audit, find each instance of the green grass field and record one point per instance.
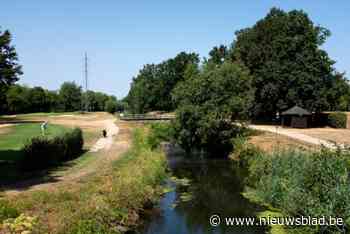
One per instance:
(11, 142)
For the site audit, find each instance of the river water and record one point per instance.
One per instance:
(202, 188)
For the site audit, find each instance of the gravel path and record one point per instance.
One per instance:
(293, 133)
(106, 142)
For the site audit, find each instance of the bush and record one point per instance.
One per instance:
(42, 152)
(159, 132)
(303, 183)
(111, 106)
(6, 211)
(337, 120)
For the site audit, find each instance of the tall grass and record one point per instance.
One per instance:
(303, 183)
(110, 201)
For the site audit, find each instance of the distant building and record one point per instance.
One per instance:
(296, 117)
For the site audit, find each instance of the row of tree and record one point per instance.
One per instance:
(70, 97)
(151, 89)
(273, 65)
(16, 98)
(282, 52)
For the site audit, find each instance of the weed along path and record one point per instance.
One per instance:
(100, 156)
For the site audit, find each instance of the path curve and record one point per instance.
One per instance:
(295, 135)
(111, 149)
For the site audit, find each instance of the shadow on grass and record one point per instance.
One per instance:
(12, 177)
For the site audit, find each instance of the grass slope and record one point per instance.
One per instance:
(106, 202)
(14, 140)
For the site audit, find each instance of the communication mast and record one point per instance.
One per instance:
(86, 83)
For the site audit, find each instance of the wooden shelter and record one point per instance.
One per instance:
(296, 117)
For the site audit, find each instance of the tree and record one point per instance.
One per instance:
(111, 106)
(17, 99)
(210, 101)
(38, 100)
(10, 70)
(152, 87)
(218, 55)
(70, 95)
(282, 52)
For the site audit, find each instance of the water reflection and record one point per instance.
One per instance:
(212, 187)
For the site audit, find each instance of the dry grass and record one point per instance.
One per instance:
(340, 136)
(269, 142)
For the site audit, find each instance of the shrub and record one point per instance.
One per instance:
(6, 211)
(159, 132)
(303, 183)
(337, 120)
(41, 152)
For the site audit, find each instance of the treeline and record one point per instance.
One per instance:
(269, 67)
(16, 99)
(151, 88)
(70, 97)
(282, 53)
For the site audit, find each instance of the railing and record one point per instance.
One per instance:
(141, 117)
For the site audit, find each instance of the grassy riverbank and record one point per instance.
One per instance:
(296, 183)
(110, 201)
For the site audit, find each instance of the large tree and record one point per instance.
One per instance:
(17, 99)
(70, 95)
(282, 52)
(10, 70)
(210, 101)
(152, 87)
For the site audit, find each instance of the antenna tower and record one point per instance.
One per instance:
(86, 82)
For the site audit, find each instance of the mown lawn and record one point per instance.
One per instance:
(11, 142)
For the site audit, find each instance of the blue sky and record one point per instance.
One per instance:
(120, 36)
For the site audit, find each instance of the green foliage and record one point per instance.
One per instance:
(218, 55)
(96, 101)
(70, 95)
(10, 70)
(23, 99)
(312, 184)
(133, 182)
(111, 106)
(7, 211)
(282, 52)
(41, 152)
(210, 101)
(337, 119)
(160, 132)
(151, 89)
(91, 226)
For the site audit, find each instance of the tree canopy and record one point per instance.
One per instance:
(71, 94)
(282, 52)
(151, 88)
(10, 70)
(210, 100)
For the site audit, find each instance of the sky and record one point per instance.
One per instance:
(51, 37)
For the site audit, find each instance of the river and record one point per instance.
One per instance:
(200, 189)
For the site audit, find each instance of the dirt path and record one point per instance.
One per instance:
(295, 134)
(106, 143)
(101, 154)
